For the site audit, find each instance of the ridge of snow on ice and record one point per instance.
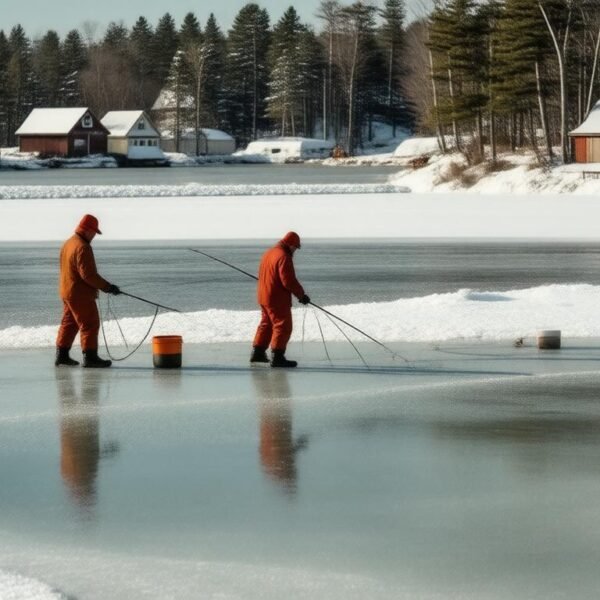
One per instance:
(26, 192)
(465, 314)
(17, 587)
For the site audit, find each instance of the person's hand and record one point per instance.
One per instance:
(113, 289)
(304, 300)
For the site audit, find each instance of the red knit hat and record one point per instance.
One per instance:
(89, 223)
(292, 239)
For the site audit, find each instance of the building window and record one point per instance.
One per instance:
(142, 125)
(135, 142)
(142, 142)
(87, 122)
(275, 150)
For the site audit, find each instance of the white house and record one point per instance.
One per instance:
(133, 136)
(290, 148)
(211, 142)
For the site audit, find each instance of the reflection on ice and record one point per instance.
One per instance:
(277, 448)
(80, 450)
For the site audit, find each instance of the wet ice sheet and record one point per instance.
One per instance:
(471, 473)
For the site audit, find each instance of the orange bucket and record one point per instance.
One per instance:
(166, 351)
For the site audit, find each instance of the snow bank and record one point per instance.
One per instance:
(28, 192)
(16, 587)
(466, 314)
(417, 146)
(518, 174)
(11, 158)
(179, 159)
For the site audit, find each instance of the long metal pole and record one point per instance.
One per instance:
(150, 302)
(223, 262)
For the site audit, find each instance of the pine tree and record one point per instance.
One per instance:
(285, 86)
(116, 39)
(74, 60)
(214, 43)
(246, 82)
(20, 80)
(164, 47)
(190, 33)
(4, 95)
(48, 70)
(392, 36)
(141, 39)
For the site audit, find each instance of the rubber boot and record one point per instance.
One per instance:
(259, 355)
(91, 360)
(279, 360)
(63, 358)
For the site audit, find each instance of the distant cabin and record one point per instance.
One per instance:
(211, 142)
(585, 139)
(65, 132)
(291, 148)
(133, 136)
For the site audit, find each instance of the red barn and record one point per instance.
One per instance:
(585, 139)
(67, 132)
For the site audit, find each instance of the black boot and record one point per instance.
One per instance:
(91, 360)
(63, 358)
(259, 355)
(279, 360)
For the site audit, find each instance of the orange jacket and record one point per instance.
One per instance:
(79, 279)
(277, 278)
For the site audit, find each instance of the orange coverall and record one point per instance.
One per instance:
(276, 284)
(79, 283)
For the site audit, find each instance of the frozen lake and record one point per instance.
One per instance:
(207, 175)
(472, 474)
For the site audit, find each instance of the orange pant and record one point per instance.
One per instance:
(275, 328)
(79, 316)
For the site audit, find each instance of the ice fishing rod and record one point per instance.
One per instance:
(150, 302)
(223, 262)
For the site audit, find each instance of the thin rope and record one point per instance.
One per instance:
(349, 341)
(137, 347)
(322, 336)
(116, 319)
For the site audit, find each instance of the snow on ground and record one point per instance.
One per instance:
(16, 587)
(466, 314)
(28, 192)
(331, 216)
(178, 159)
(11, 158)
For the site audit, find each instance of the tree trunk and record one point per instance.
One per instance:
(543, 112)
(390, 90)
(593, 76)
(351, 93)
(454, 123)
(436, 111)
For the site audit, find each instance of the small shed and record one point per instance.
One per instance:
(291, 148)
(133, 136)
(212, 142)
(66, 132)
(585, 139)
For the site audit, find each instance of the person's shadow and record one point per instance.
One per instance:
(277, 447)
(80, 450)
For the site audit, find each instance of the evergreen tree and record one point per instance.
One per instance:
(246, 82)
(20, 80)
(190, 33)
(141, 40)
(116, 39)
(285, 86)
(48, 70)
(74, 60)
(4, 95)
(392, 35)
(214, 43)
(164, 47)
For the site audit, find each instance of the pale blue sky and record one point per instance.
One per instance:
(37, 16)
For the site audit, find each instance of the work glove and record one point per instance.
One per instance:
(113, 289)
(304, 300)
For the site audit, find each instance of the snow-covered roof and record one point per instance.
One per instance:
(591, 124)
(121, 122)
(290, 143)
(167, 100)
(209, 134)
(51, 121)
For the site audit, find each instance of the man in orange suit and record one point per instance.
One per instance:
(276, 284)
(79, 283)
